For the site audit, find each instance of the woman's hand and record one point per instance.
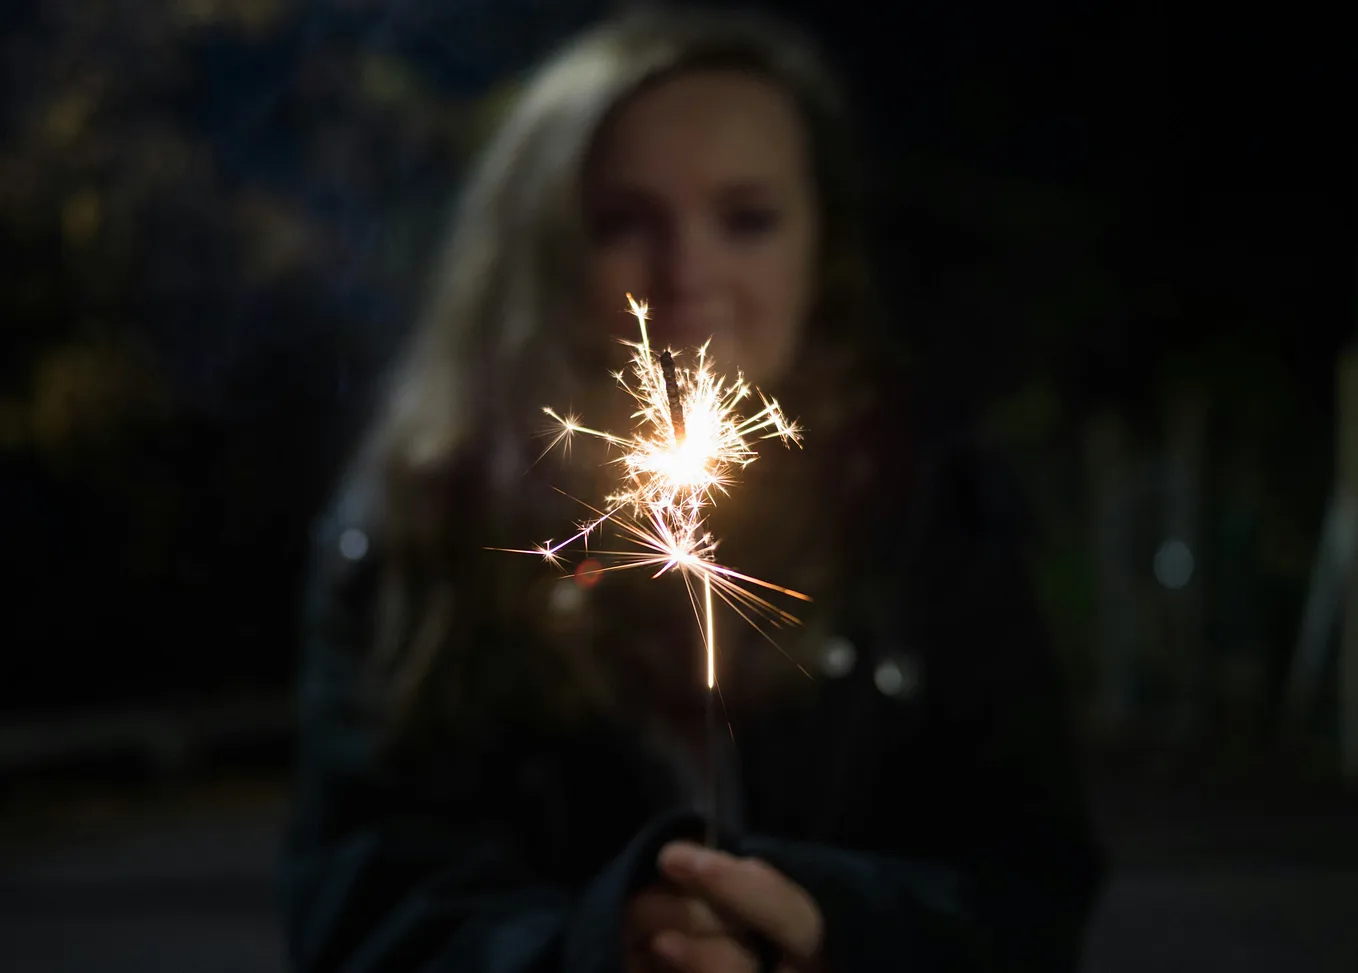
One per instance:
(660, 916)
(753, 895)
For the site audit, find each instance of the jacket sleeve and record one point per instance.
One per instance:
(976, 850)
(390, 870)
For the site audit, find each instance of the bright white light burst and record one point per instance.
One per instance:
(672, 468)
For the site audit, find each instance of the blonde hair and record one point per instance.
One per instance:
(494, 345)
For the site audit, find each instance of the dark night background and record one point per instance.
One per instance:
(1121, 241)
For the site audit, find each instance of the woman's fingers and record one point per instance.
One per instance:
(752, 892)
(712, 954)
(660, 908)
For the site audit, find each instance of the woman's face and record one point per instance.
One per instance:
(699, 199)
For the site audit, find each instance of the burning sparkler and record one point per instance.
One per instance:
(688, 444)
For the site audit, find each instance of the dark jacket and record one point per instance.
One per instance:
(926, 797)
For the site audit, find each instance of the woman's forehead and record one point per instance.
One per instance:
(724, 125)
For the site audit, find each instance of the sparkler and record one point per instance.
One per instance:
(688, 444)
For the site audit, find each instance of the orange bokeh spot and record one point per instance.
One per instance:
(589, 572)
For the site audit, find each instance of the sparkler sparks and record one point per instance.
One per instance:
(687, 447)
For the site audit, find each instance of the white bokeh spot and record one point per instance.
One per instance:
(1173, 564)
(838, 657)
(353, 544)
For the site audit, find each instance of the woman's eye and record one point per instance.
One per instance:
(752, 221)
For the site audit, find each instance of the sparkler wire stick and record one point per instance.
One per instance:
(713, 740)
(688, 445)
(672, 392)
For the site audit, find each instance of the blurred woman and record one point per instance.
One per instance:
(503, 770)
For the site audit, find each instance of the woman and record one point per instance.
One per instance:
(503, 771)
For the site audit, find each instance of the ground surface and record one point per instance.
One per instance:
(183, 878)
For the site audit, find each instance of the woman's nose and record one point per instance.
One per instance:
(687, 264)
